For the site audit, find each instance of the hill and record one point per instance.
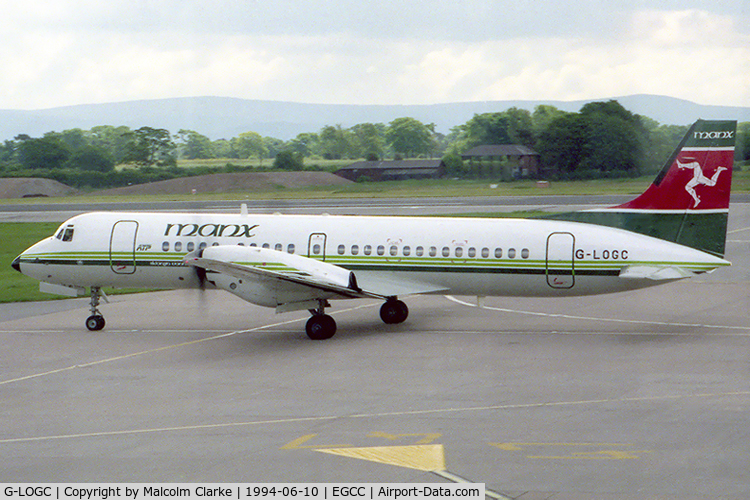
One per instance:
(32, 187)
(224, 117)
(227, 183)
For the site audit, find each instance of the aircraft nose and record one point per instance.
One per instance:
(16, 264)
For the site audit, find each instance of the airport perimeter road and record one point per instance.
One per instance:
(58, 212)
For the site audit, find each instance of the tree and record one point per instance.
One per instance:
(151, 146)
(194, 145)
(615, 140)
(91, 158)
(303, 144)
(410, 137)
(48, 152)
(288, 160)
(249, 145)
(369, 141)
(117, 140)
(563, 144)
(334, 143)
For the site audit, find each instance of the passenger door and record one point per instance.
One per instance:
(560, 267)
(122, 247)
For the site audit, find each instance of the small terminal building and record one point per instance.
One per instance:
(396, 170)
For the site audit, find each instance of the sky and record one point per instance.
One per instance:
(58, 52)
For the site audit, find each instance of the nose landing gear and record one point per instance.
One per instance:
(96, 322)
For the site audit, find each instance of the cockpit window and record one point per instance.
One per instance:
(67, 234)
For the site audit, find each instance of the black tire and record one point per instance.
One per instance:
(95, 323)
(320, 327)
(393, 312)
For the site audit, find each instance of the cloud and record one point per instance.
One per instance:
(352, 52)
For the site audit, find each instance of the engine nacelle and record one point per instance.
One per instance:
(267, 288)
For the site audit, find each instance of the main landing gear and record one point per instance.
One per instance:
(321, 326)
(95, 322)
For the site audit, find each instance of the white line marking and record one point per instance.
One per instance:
(739, 230)
(588, 318)
(324, 418)
(459, 480)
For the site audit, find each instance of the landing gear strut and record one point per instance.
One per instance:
(320, 326)
(95, 322)
(394, 311)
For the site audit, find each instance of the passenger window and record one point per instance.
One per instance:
(459, 252)
(178, 246)
(355, 249)
(165, 246)
(498, 253)
(446, 252)
(394, 250)
(407, 251)
(511, 253)
(266, 245)
(381, 250)
(341, 249)
(485, 252)
(202, 245)
(190, 246)
(525, 253)
(368, 250)
(316, 249)
(433, 251)
(472, 252)
(290, 248)
(278, 247)
(419, 251)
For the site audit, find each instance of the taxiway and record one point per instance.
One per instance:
(636, 395)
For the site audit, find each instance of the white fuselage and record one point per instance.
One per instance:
(462, 256)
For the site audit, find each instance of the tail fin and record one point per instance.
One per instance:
(688, 202)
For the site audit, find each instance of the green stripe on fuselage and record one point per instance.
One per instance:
(702, 231)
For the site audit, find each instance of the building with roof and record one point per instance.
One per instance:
(396, 170)
(516, 161)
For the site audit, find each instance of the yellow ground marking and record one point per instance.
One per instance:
(518, 446)
(424, 457)
(575, 455)
(594, 455)
(299, 443)
(427, 439)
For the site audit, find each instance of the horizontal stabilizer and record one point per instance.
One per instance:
(655, 272)
(389, 285)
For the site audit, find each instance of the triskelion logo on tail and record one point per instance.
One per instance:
(698, 177)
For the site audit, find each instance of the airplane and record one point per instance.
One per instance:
(673, 230)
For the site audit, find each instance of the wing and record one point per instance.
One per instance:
(290, 282)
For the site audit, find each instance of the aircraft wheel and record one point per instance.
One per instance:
(95, 322)
(394, 311)
(320, 327)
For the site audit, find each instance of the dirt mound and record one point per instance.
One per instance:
(225, 183)
(27, 187)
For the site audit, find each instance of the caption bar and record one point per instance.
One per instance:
(241, 491)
